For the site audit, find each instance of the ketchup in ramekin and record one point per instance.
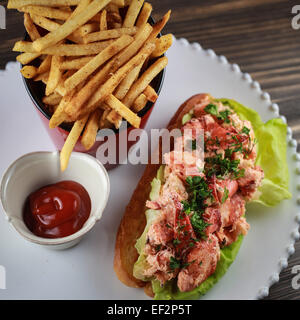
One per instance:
(57, 210)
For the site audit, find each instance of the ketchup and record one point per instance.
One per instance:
(57, 210)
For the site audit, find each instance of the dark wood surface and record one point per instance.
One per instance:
(256, 34)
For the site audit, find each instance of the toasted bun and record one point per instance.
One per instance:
(134, 219)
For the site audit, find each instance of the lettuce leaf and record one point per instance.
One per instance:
(271, 154)
(151, 215)
(142, 264)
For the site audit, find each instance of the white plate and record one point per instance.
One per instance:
(85, 271)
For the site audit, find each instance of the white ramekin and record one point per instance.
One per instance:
(35, 170)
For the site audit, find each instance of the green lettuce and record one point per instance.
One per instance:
(271, 156)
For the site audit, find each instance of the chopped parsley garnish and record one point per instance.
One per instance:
(174, 263)
(246, 130)
(198, 224)
(176, 242)
(158, 247)
(221, 167)
(212, 109)
(222, 115)
(198, 191)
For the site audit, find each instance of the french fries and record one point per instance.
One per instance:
(109, 34)
(69, 26)
(141, 84)
(54, 75)
(110, 85)
(91, 129)
(29, 72)
(65, 49)
(103, 21)
(144, 15)
(53, 99)
(162, 45)
(125, 112)
(97, 62)
(31, 28)
(132, 13)
(139, 103)
(72, 139)
(150, 94)
(75, 63)
(16, 4)
(47, 12)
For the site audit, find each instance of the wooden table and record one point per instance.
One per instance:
(256, 34)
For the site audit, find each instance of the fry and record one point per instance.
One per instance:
(141, 84)
(103, 20)
(118, 3)
(104, 123)
(144, 15)
(50, 25)
(25, 58)
(126, 84)
(44, 23)
(15, 4)
(30, 27)
(90, 132)
(70, 25)
(65, 49)
(88, 28)
(59, 89)
(29, 72)
(47, 12)
(109, 86)
(160, 25)
(76, 63)
(54, 75)
(121, 92)
(125, 112)
(87, 91)
(139, 103)
(115, 118)
(59, 116)
(80, 8)
(132, 13)
(71, 142)
(42, 77)
(109, 34)
(162, 45)
(97, 61)
(45, 65)
(150, 94)
(53, 99)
